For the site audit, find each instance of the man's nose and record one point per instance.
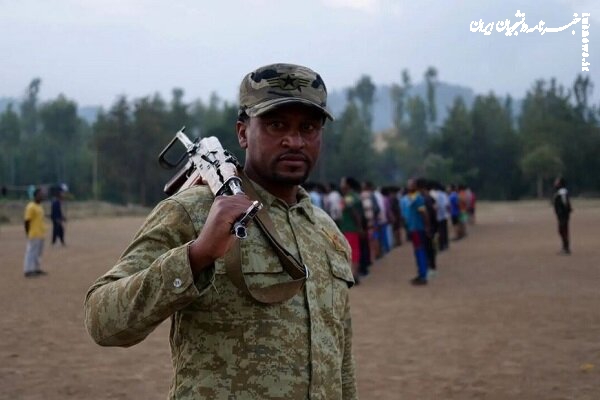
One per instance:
(294, 139)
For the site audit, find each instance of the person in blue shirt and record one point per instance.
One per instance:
(454, 211)
(418, 227)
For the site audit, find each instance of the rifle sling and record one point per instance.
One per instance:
(278, 292)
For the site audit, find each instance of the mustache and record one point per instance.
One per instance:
(293, 155)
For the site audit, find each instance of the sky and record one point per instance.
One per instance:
(93, 51)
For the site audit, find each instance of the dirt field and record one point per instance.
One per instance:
(506, 317)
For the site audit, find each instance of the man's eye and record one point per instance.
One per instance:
(308, 127)
(276, 124)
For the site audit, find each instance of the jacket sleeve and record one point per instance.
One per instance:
(349, 390)
(151, 281)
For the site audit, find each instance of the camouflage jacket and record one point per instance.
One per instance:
(224, 345)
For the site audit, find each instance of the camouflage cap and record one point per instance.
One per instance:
(274, 85)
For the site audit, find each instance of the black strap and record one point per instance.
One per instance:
(278, 292)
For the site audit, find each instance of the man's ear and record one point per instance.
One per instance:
(242, 131)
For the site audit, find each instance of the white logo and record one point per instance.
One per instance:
(510, 30)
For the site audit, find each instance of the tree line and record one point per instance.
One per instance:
(485, 146)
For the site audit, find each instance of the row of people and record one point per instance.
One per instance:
(375, 220)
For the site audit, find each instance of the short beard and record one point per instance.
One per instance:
(290, 181)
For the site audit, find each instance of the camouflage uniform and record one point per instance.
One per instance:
(224, 345)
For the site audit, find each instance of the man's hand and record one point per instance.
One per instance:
(216, 238)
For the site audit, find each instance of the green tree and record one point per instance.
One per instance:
(60, 134)
(29, 116)
(431, 80)
(398, 94)
(364, 93)
(10, 135)
(355, 155)
(113, 133)
(440, 169)
(541, 163)
(494, 149)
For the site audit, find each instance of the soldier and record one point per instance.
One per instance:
(225, 344)
(562, 209)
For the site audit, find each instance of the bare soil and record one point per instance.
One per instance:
(505, 318)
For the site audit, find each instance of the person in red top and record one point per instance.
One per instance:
(352, 221)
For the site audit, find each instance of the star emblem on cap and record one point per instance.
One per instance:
(288, 82)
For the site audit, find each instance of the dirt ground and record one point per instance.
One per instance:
(506, 317)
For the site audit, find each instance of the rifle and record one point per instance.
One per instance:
(207, 161)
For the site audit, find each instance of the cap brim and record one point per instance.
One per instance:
(269, 105)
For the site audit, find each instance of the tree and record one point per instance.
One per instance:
(439, 169)
(541, 163)
(60, 127)
(398, 95)
(29, 117)
(10, 135)
(112, 138)
(454, 142)
(431, 79)
(364, 93)
(494, 149)
(416, 130)
(355, 155)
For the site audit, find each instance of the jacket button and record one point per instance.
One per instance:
(177, 283)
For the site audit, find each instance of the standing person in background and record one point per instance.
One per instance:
(352, 222)
(382, 222)
(371, 209)
(316, 196)
(370, 244)
(463, 204)
(333, 203)
(58, 218)
(396, 214)
(562, 209)
(424, 188)
(404, 200)
(454, 211)
(418, 225)
(35, 229)
(443, 212)
(471, 206)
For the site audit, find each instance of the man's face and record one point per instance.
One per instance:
(411, 186)
(344, 188)
(282, 145)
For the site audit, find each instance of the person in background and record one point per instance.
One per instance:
(471, 207)
(58, 218)
(463, 204)
(35, 229)
(563, 210)
(424, 187)
(418, 225)
(454, 211)
(316, 195)
(443, 211)
(382, 222)
(394, 199)
(333, 202)
(371, 210)
(352, 223)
